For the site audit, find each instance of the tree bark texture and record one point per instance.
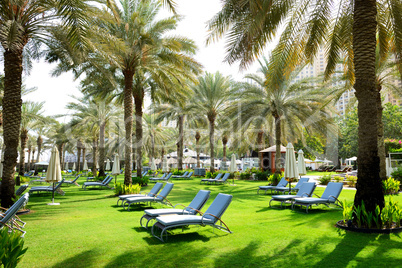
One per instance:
(39, 142)
(278, 133)
(29, 157)
(260, 142)
(180, 143)
(369, 185)
(24, 141)
(128, 123)
(211, 142)
(138, 101)
(197, 147)
(102, 128)
(94, 154)
(12, 103)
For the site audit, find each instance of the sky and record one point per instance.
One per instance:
(56, 91)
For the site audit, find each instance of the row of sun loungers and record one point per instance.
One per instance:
(305, 190)
(169, 218)
(9, 219)
(217, 180)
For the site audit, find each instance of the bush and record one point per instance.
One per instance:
(392, 145)
(397, 174)
(90, 174)
(121, 188)
(391, 186)
(11, 248)
(351, 180)
(175, 171)
(141, 181)
(262, 175)
(245, 175)
(275, 178)
(324, 180)
(338, 179)
(24, 179)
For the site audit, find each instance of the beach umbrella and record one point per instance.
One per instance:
(165, 167)
(66, 166)
(301, 164)
(97, 165)
(85, 165)
(74, 166)
(116, 167)
(233, 165)
(54, 171)
(291, 170)
(107, 164)
(153, 165)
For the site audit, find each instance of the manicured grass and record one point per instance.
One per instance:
(319, 173)
(89, 230)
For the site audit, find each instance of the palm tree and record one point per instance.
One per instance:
(293, 106)
(94, 116)
(58, 134)
(31, 113)
(23, 25)
(155, 136)
(252, 24)
(137, 45)
(211, 96)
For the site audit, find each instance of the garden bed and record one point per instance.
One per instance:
(340, 224)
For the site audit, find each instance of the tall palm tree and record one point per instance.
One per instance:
(154, 135)
(138, 46)
(31, 114)
(23, 25)
(210, 97)
(251, 24)
(94, 115)
(293, 106)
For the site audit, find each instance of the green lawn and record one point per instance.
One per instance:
(319, 173)
(89, 230)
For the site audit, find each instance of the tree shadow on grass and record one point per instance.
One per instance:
(162, 255)
(84, 259)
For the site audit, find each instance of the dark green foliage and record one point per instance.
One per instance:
(245, 175)
(262, 175)
(121, 189)
(397, 174)
(11, 248)
(274, 178)
(141, 181)
(324, 180)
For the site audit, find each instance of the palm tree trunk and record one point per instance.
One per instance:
(12, 103)
(368, 186)
(78, 155)
(381, 145)
(211, 142)
(29, 157)
(224, 143)
(94, 154)
(102, 128)
(24, 140)
(260, 142)
(60, 147)
(39, 142)
(138, 100)
(197, 147)
(180, 143)
(128, 123)
(277, 144)
(33, 156)
(83, 156)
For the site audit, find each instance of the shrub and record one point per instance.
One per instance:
(24, 179)
(245, 175)
(391, 186)
(351, 180)
(121, 188)
(11, 248)
(397, 174)
(141, 181)
(90, 174)
(275, 178)
(324, 180)
(392, 145)
(262, 175)
(175, 171)
(338, 179)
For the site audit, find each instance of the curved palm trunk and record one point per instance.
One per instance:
(33, 156)
(39, 142)
(197, 147)
(83, 156)
(368, 186)
(60, 147)
(102, 128)
(11, 123)
(78, 155)
(211, 142)
(260, 142)
(224, 142)
(128, 123)
(180, 143)
(277, 144)
(94, 154)
(138, 100)
(24, 140)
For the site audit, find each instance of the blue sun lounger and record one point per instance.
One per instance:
(211, 217)
(159, 198)
(9, 218)
(330, 196)
(193, 208)
(282, 183)
(153, 192)
(306, 190)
